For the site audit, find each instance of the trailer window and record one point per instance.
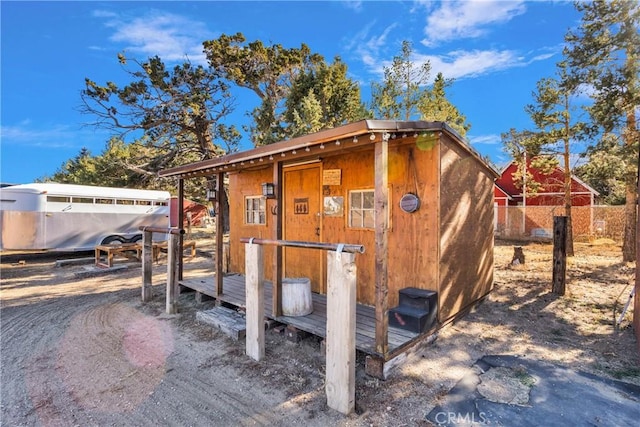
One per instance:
(143, 202)
(124, 202)
(161, 203)
(255, 210)
(58, 199)
(82, 200)
(104, 201)
(361, 209)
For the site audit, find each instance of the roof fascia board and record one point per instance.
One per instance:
(315, 139)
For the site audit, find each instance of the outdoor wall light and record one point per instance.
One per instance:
(372, 136)
(268, 190)
(355, 139)
(211, 195)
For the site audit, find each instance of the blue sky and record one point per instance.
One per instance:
(495, 50)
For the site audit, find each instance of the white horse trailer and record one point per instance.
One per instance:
(67, 217)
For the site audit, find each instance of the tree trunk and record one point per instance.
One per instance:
(567, 188)
(630, 217)
(569, 236)
(631, 203)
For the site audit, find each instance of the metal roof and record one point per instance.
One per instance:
(342, 138)
(58, 189)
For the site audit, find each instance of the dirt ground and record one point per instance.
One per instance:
(78, 350)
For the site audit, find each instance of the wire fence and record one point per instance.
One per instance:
(536, 222)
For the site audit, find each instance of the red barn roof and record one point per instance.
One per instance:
(552, 187)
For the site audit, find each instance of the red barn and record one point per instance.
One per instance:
(197, 211)
(551, 193)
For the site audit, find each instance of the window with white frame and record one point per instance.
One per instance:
(255, 210)
(361, 209)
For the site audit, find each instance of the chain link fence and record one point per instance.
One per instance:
(536, 222)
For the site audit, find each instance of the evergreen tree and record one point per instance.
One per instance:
(604, 172)
(79, 170)
(402, 88)
(557, 129)
(406, 93)
(177, 115)
(434, 106)
(268, 71)
(322, 98)
(523, 148)
(604, 52)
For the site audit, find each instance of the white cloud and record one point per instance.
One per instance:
(172, 37)
(466, 19)
(462, 64)
(491, 139)
(24, 134)
(368, 48)
(355, 5)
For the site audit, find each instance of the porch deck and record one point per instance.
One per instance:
(314, 323)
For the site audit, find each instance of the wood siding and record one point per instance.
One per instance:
(243, 184)
(413, 237)
(466, 230)
(445, 246)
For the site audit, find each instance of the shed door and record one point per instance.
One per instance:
(302, 222)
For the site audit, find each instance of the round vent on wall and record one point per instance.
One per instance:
(409, 203)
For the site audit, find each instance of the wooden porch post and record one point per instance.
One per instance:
(341, 331)
(276, 309)
(221, 196)
(254, 269)
(173, 284)
(180, 225)
(147, 265)
(381, 197)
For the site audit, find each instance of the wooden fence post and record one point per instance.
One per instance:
(341, 331)
(147, 265)
(173, 270)
(559, 254)
(254, 270)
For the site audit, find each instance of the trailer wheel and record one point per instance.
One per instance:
(113, 240)
(135, 238)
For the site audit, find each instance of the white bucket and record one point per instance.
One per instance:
(296, 296)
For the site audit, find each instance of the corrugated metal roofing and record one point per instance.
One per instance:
(341, 138)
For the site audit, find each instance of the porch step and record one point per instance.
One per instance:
(417, 311)
(409, 318)
(229, 321)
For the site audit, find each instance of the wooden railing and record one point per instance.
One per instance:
(341, 313)
(173, 251)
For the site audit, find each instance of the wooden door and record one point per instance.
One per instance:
(302, 222)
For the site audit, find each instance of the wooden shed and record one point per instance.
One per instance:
(413, 193)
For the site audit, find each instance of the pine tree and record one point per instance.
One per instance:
(177, 115)
(322, 98)
(268, 71)
(604, 52)
(399, 94)
(556, 130)
(434, 106)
